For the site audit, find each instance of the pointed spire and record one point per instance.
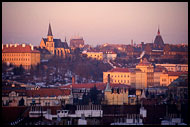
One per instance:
(158, 30)
(143, 94)
(108, 88)
(49, 31)
(65, 39)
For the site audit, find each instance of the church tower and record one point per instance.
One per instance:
(50, 42)
(50, 35)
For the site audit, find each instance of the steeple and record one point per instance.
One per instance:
(49, 31)
(108, 88)
(65, 39)
(158, 31)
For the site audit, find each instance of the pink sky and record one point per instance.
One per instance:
(98, 23)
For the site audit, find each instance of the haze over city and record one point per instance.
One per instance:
(97, 23)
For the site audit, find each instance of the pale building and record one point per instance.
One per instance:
(168, 77)
(109, 55)
(148, 69)
(140, 79)
(118, 96)
(23, 54)
(94, 55)
(119, 76)
(174, 67)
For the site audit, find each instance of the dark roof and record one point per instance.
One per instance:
(121, 109)
(179, 49)
(158, 40)
(50, 92)
(49, 31)
(58, 43)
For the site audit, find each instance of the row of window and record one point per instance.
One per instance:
(120, 76)
(15, 54)
(16, 59)
(120, 81)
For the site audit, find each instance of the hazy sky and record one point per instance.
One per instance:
(97, 23)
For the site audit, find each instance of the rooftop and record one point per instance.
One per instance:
(119, 70)
(15, 48)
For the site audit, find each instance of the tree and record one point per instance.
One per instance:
(94, 96)
(19, 70)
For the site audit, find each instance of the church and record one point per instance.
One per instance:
(54, 46)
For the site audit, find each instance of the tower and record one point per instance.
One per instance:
(50, 35)
(50, 42)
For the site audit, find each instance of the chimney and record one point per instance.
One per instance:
(11, 45)
(73, 79)
(131, 42)
(108, 78)
(7, 45)
(23, 45)
(15, 45)
(32, 47)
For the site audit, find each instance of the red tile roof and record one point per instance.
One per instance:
(119, 70)
(18, 49)
(43, 92)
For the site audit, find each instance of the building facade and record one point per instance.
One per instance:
(148, 69)
(76, 42)
(23, 54)
(109, 55)
(119, 76)
(94, 55)
(174, 67)
(115, 96)
(168, 77)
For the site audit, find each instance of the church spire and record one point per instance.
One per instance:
(158, 31)
(65, 39)
(49, 31)
(108, 88)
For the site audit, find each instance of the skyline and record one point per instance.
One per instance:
(97, 23)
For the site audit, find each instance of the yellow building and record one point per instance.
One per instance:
(119, 76)
(54, 46)
(94, 55)
(17, 55)
(148, 69)
(168, 77)
(117, 95)
(140, 79)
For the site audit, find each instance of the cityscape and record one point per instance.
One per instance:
(103, 74)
